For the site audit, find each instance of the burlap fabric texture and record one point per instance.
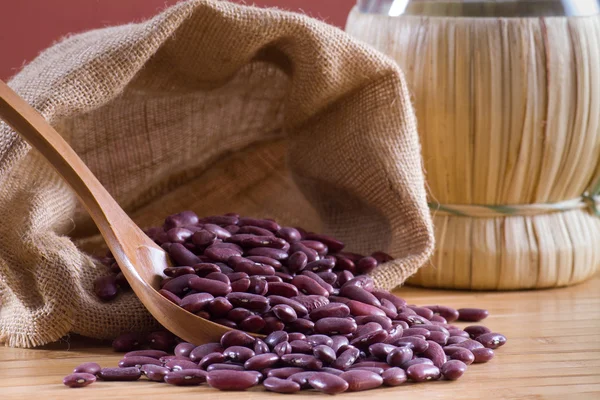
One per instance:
(212, 107)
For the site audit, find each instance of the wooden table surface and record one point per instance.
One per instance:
(553, 351)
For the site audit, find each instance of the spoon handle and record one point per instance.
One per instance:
(33, 127)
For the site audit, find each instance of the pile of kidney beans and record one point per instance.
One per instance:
(327, 327)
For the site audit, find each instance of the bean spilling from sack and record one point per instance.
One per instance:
(328, 328)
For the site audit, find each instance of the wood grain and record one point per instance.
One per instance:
(553, 351)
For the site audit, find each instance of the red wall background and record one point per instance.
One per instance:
(29, 26)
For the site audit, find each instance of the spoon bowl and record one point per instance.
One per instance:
(141, 260)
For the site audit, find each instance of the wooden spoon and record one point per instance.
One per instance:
(141, 260)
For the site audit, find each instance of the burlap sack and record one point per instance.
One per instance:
(213, 107)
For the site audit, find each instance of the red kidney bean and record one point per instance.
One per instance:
(415, 361)
(474, 331)
(121, 281)
(320, 247)
(282, 289)
(175, 365)
(261, 361)
(181, 256)
(469, 344)
(154, 372)
(138, 361)
(317, 266)
(452, 340)
(224, 322)
(211, 358)
(186, 377)
(261, 223)
(199, 352)
(335, 326)
(301, 325)
(334, 245)
(491, 340)
(364, 341)
(311, 255)
(238, 314)
(395, 300)
(255, 230)
(174, 272)
(464, 355)
(357, 308)
(472, 314)
(196, 302)
(181, 284)
(328, 277)
(305, 361)
(120, 374)
(381, 257)
(482, 355)
(318, 339)
(253, 302)
(366, 265)
(344, 277)
(302, 378)
(301, 346)
(359, 380)
(394, 377)
(265, 260)
(262, 241)
(220, 220)
(423, 372)
(300, 309)
(105, 287)
(324, 353)
(271, 279)
(284, 373)
(275, 254)
(236, 338)
(385, 322)
(260, 347)
(79, 379)
(219, 307)
(438, 318)
(285, 313)
(171, 357)
(416, 331)
(170, 296)
(435, 353)
(377, 370)
(241, 285)
(458, 332)
(278, 385)
(258, 285)
(367, 328)
(417, 345)
(453, 369)
(398, 356)
(252, 268)
(381, 350)
(254, 323)
(309, 286)
(225, 366)
(204, 269)
(365, 282)
(334, 371)
(289, 234)
(311, 302)
(422, 311)
(127, 342)
(222, 251)
(346, 358)
(296, 336)
(328, 383)
(345, 264)
(218, 276)
(439, 337)
(203, 238)
(183, 218)
(282, 348)
(178, 235)
(273, 339)
(88, 368)
(231, 380)
(318, 279)
(221, 233)
(338, 341)
(272, 324)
